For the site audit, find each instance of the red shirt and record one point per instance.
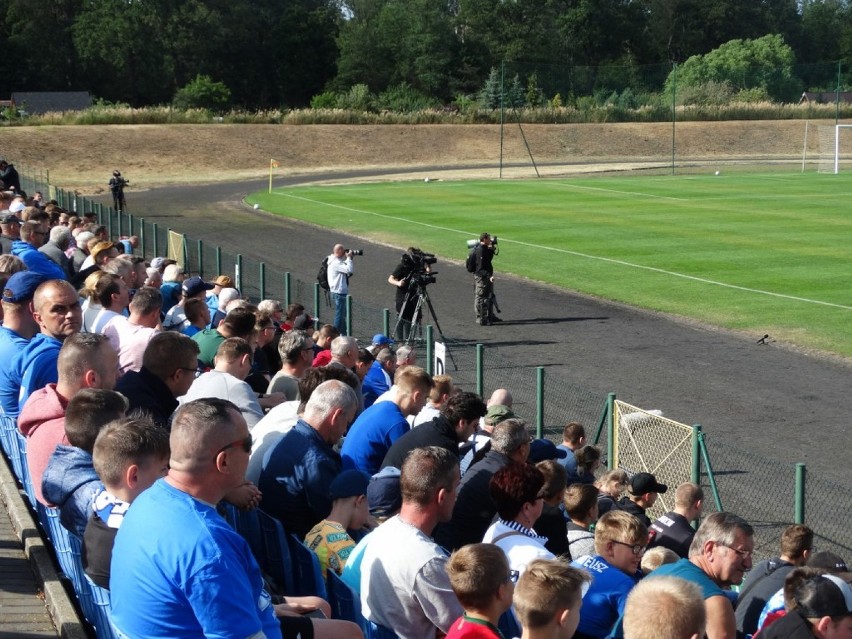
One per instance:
(468, 628)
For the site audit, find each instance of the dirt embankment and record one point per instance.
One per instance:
(82, 157)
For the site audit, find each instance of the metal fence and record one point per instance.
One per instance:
(770, 494)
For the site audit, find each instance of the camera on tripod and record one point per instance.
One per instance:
(419, 263)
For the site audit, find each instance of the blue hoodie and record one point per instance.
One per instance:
(37, 261)
(71, 483)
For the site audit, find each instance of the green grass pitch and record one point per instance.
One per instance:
(762, 253)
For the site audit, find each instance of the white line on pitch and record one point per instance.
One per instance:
(576, 254)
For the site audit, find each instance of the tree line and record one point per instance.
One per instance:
(298, 53)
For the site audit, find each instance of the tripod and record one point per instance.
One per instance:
(411, 330)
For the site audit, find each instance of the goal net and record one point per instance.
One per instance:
(834, 140)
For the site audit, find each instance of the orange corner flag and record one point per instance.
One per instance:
(274, 164)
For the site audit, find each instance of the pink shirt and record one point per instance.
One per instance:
(129, 340)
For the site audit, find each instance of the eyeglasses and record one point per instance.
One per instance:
(636, 549)
(744, 554)
(513, 576)
(194, 371)
(245, 443)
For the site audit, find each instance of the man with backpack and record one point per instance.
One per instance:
(479, 263)
(339, 270)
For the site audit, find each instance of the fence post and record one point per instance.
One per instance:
(218, 260)
(607, 409)
(287, 294)
(156, 240)
(130, 223)
(386, 324)
(430, 346)
(611, 461)
(349, 315)
(238, 273)
(100, 211)
(800, 493)
(262, 280)
(317, 302)
(695, 471)
(201, 258)
(539, 402)
(480, 373)
(118, 219)
(142, 237)
(109, 224)
(185, 249)
(708, 467)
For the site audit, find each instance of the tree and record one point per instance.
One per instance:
(765, 64)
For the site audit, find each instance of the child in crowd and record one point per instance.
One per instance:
(349, 511)
(611, 485)
(130, 454)
(548, 599)
(484, 585)
(656, 557)
(70, 480)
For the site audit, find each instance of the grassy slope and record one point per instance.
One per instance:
(762, 253)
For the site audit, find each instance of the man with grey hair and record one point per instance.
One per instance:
(510, 442)
(298, 472)
(296, 349)
(176, 555)
(55, 247)
(82, 251)
(719, 556)
(344, 354)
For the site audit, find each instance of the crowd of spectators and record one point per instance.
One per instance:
(149, 397)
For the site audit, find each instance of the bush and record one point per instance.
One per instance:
(403, 98)
(358, 98)
(325, 100)
(203, 93)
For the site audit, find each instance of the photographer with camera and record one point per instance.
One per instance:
(116, 185)
(407, 278)
(340, 269)
(479, 263)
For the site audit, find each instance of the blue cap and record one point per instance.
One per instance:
(384, 494)
(544, 449)
(349, 483)
(21, 286)
(195, 285)
(382, 340)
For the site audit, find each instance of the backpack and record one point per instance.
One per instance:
(470, 264)
(322, 275)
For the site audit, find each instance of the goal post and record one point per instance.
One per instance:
(830, 147)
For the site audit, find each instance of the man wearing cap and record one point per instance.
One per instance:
(10, 225)
(56, 310)
(192, 288)
(380, 376)
(19, 326)
(719, 556)
(642, 492)
(458, 418)
(479, 442)
(823, 610)
(222, 281)
(33, 235)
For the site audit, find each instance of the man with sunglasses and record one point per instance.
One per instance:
(719, 556)
(620, 540)
(175, 555)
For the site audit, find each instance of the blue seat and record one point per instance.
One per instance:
(345, 603)
(5, 435)
(25, 477)
(375, 631)
(268, 542)
(306, 565)
(15, 439)
(101, 611)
